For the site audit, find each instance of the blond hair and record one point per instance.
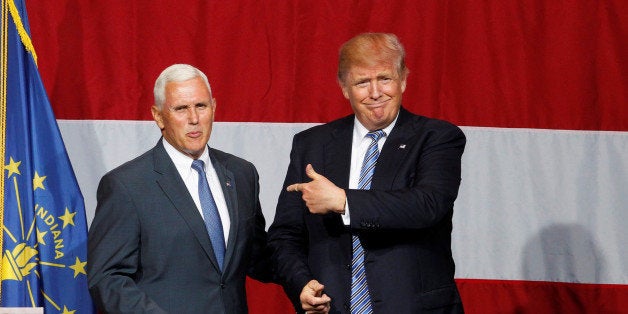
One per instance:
(369, 49)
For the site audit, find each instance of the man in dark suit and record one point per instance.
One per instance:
(155, 245)
(350, 239)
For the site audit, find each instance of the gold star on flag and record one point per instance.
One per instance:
(66, 311)
(68, 218)
(40, 237)
(38, 182)
(13, 167)
(79, 267)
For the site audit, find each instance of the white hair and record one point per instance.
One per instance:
(176, 73)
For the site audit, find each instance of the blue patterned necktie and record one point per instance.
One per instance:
(360, 297)
(210, 213)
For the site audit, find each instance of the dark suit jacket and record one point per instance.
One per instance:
(149, 251)
(403, 221)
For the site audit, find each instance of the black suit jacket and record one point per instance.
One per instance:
(403, 221)
(149, 251)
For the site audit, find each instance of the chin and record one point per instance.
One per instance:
(194, 153)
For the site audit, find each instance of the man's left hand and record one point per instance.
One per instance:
(320, 195)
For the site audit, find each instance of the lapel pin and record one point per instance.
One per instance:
(228, 183)
(402, 146)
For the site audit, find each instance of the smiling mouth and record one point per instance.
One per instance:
(377, 104)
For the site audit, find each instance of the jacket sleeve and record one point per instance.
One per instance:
(425, 190)
(288, 240)
(113, 252)
(259, 263)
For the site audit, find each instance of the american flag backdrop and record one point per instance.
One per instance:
(540, 88)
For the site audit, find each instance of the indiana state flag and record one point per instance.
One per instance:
(44, 228)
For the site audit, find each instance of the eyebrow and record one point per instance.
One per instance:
(379, 76)
(190, 105)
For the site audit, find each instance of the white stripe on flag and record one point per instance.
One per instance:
(533, 205)
(543, 205)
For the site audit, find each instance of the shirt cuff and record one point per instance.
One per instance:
(346, 218)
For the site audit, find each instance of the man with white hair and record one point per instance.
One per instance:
(178, 228)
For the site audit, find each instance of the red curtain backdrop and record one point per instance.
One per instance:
(560, 65)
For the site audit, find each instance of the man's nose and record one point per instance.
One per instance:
(193, 115)
(375, 91)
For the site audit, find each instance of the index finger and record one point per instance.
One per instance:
(293, 187)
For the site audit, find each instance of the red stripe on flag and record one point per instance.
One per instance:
(518, 296)
(266, 298)
(545, 64)
(489, 296)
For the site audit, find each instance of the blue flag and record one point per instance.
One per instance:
(44, 230)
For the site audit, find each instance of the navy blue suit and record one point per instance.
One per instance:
(404, 221)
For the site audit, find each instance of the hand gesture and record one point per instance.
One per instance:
(320, 195)
(313, 301)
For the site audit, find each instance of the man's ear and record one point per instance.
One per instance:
(344, 88)
(404, 79)
(213, 105)
(157, 117)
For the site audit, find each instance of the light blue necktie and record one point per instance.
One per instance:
(360, 297)
(210, 213)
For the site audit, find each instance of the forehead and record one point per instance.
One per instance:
(364, 71)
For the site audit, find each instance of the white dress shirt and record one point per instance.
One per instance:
(359, 146)
(190, 177)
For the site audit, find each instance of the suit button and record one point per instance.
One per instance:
(348, 267)
(222, 286)
(347, 307)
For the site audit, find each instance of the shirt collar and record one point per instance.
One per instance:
(182, 161)
(361, 131)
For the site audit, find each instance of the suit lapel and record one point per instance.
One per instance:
(337, 161)
(228, 184)
(174, 188)
(337, 164)
(395, 149)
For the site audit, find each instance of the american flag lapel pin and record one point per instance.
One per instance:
(402, 146)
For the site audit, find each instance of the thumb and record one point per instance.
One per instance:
(317, 287)
(309, 171)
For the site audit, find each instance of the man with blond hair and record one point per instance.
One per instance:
(364, 221)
